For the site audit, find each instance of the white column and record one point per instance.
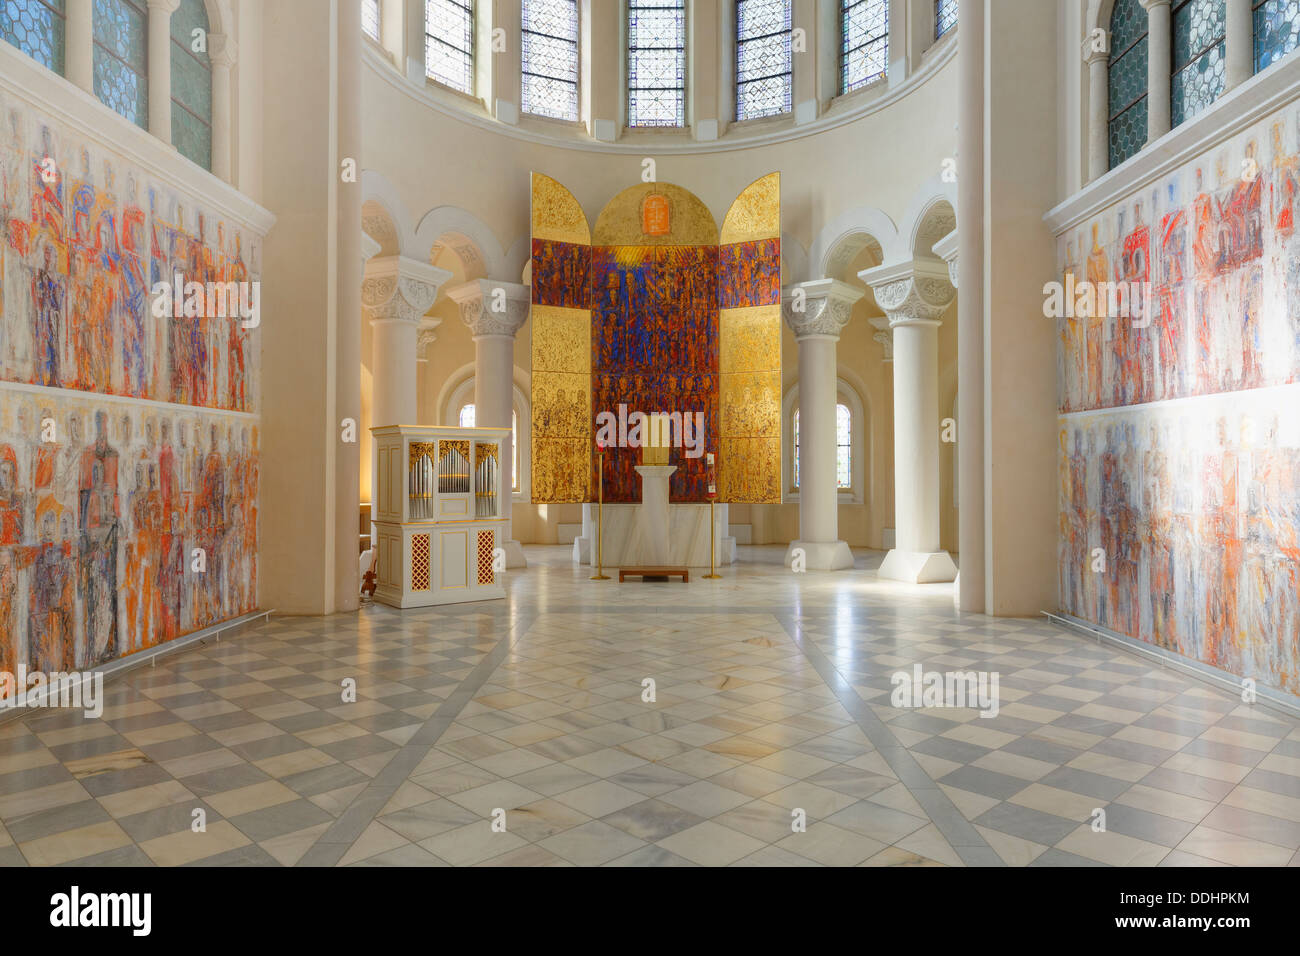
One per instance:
(396, 292)
(1239, 44)
(1098, 104)
(914, 294)
(817, 311)
(948, 249)
(1159, 67)
(160, 68)
(414, 43)
(971, 536)
(79, 48)
(494, 312)
(222, 51)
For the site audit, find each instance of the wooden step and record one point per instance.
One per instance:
(655, 572)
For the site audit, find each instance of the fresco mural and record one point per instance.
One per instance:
(1180, 447)
(128, 433)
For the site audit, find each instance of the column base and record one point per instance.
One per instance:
(918, 567)
(821, 555)
(515, 555)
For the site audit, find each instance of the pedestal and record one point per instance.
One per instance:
(652, 516)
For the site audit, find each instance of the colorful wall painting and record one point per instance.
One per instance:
(127, 439)
(1180, 445)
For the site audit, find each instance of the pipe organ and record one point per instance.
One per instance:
(439, 515)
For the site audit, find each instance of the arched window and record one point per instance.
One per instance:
(370, 18)
(121, 74)
(1277, 30)
(1127, 78)
(449, 43)
(1199, 62)
(465, 418)
(945, 16)
(37, 28)
(864, 42)
(550, 58)
(656, 62)
(843, 447)
(191, 85)
(763, 65)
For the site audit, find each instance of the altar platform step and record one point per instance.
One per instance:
(654, 572)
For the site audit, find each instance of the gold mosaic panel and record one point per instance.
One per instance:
(756, 213)
(751, 405)
(557, 215)
(561, 405)
(561, 469)
(754, 475)
(749, 339)
(689, 221)
(561, 339)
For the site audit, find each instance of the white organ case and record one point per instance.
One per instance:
(439, 514)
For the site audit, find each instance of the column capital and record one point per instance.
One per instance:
(912, 292)
(1149, 5)
(223, 51)
(1094, 51)
(167, 7)
(821, 307)
(492, 307)
(885, 336)
(397, 288)
(946, 249)
(425, 337)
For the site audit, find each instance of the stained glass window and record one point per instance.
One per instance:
(191, 85)
(843, 447)
(763, 65)
(36, 28)
(656, 63)
(945, 16)
(370, 18)
(1277, 30)
(1128, 80)
(449, 43)
(121, 74)
(550, 58)
(864, 42)
(1199, 63)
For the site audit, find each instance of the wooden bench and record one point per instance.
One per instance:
(655, 572)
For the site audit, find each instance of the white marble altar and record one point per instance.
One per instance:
(688, 536)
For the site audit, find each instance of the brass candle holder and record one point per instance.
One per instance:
(713, 527)
(600, 574)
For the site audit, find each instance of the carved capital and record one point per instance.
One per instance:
(946, 249)
(885, 336)
(222, 50)
(821, 307)
(489, 307)
(426, 337)
(1096, 46)
(918, 291)
(396, 288)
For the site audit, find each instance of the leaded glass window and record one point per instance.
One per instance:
(656, 63)
(864, 42)
(1127, 74)
(191, 85)
(1277, 30)
(763, 65)
(121, 74)
(370, 18)
(449, 43)
(36, 28)
(1199, 27)
(945, 16)
(550, 58)
(843, 447)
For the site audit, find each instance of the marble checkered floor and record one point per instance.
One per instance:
(772, 696)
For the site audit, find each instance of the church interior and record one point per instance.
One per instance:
(649, 433)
